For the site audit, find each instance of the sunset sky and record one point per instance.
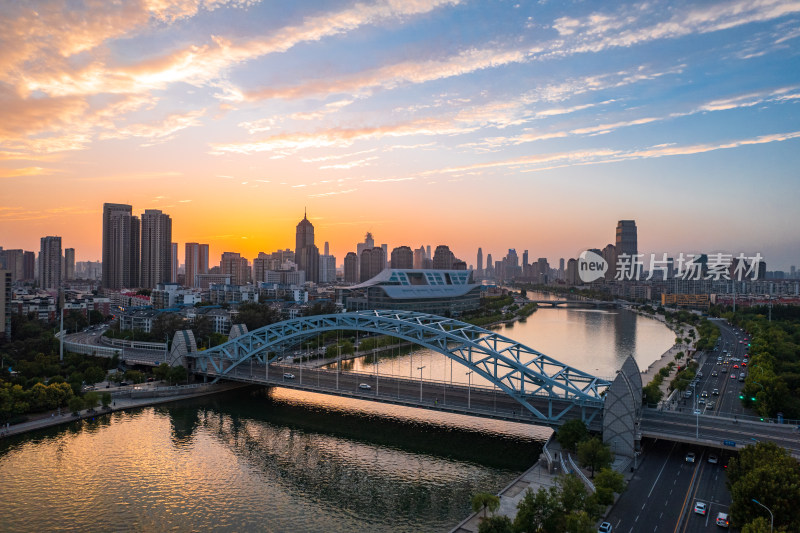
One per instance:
(532, 125)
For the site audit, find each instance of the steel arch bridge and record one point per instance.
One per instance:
(530, 377)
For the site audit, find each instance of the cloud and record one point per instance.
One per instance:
(340, 137)
(331, 193)
(350, 164)
(157, 130)
(22, 172)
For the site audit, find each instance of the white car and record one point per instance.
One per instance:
(365, 386)
(700, 508)
(288, 376)
(690, 457)
(712, 459)
(605, 527)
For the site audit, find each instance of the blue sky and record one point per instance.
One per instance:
(533, 125)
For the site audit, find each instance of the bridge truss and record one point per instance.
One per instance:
(544, 386)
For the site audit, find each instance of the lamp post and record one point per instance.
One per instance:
(767, 508)
(420, 382)
(61, 338)
(469, 389)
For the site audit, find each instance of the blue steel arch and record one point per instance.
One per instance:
(522, 372)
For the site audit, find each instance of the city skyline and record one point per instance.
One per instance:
(505, 125)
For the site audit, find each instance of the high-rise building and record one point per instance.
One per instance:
(351, 267)
(29, 266)
(402, 257)
(385, 248)
(480, 261)
(68, 264)
(50, 263)
(327, 249)
(120, 247)
(195, 261)
(305, 252)
(572, 272)
(174, 263)
(627, 242)
(327, 268)
(524, 259)
(443, 258)
(610, 257)
(237, 267)
(5, 303)
(372, 263)
(368, 244)
(428, 252)
(793, 271)
(489, 266)
(156, 248)
(15, 263)
(419, 258)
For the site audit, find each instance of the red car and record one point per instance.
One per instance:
(735, 366)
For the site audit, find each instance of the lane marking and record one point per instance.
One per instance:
(686, 498)
(662, 469)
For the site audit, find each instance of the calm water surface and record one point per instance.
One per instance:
(294, 461)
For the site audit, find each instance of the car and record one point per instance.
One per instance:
(744, 364)
(699, 374)
(709, 405)
(690, 456)
(714, 374)
(733, 376)
(722, 520)
(288, 375)
(701, 401)
(724, 369)
(704, 394)
(365, 386)
(687, 394)
(697, 412)
(700, 508)
(735, 366)
(715, 392)
(605, 527)
(713, 459)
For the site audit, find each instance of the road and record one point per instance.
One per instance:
(662, 494)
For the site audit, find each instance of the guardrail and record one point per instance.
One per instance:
(138, 392)
(92, 349)
(585, 479)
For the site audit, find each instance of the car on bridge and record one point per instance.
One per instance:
(365, 386)
(288, 375)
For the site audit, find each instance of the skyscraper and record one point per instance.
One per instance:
(419, 257)
(29, 266)
(173, 277)
(480, 261)
(68, 266)
(195, 261)
(368, 244)
(5, 303)
(305, 252)
(156, 248)
(626, 238)
(120, 247)
(15, 263)
(50, 263)
(351, 267)
(443, 258)
(610, 256)
(402, 257)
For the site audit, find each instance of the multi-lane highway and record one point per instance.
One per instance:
(662, 494)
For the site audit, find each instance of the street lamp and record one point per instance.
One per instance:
(767, 508)
(469, 389)
(420, 382)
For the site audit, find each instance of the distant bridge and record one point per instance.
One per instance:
(577, 303)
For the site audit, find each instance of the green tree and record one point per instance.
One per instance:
(759, 525)
(91, 399)
(573, 493)
(538, 511)
(177, 374)
(255, 315)
(652, 393)
(105, 399)
(579, 522)
(610, 479)
(485, 500)
(94, 374)
(161, 372)
(594, 454)
(134, 376)
(496, 524)
(571, 433)
(76, 404)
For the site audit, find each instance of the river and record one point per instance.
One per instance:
(283, 460)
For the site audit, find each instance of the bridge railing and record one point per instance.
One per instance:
(295, 367)
(585, 479)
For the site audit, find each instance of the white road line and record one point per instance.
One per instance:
(643, 505)
(660, 472)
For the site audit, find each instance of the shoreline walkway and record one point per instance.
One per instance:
(120, 403)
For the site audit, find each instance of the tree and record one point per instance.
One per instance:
(76, 405)
(571, 433)
(538, 511)
(573, 493)
(254, 315)
(594, 454)
(177, 374)
(105, 399)
(161, 372)
(91, 399)
(610, 479)
(485, 500)
(652, 393)
(579, 522)
(94, 374)
(759, 525)
(496, 524)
